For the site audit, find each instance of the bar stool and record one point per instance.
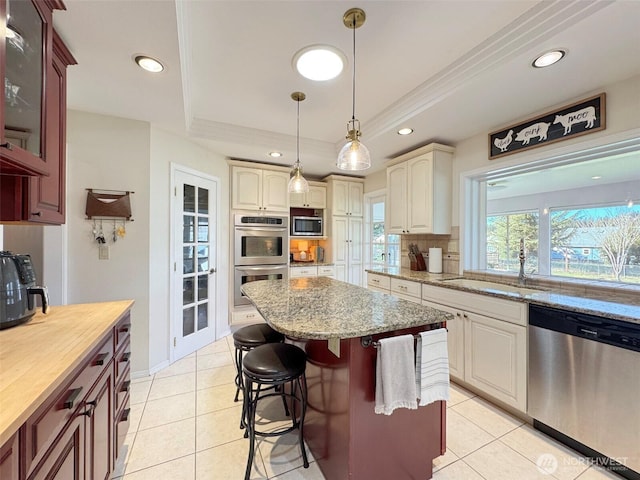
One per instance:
(246, 339)
(274, 365)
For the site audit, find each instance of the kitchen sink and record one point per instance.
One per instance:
(492, 286)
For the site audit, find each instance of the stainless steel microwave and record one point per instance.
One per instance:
(306, 226)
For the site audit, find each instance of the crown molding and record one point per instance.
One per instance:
(525, 32)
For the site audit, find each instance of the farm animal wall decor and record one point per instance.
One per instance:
(580, 118)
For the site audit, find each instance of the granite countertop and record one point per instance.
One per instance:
(322, 308)
(615, 303)
(312, 263)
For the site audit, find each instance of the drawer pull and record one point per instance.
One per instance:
(125, 328)
(125, 386)
(125, 415)
(101, 358)
(125, 357)
(71, 398)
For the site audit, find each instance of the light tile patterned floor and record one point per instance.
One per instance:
(184, 426)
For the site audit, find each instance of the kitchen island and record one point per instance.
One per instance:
(334, 323)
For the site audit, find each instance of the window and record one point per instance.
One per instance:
(504, 233)
(384, 250)
(579, 216)
(597, 243)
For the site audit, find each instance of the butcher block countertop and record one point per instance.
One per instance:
(36, 357)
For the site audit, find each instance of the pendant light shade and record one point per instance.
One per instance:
(297, 183)
(354, 155)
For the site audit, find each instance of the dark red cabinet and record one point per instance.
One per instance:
(32, 146)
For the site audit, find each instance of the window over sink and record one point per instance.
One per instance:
(580, 218)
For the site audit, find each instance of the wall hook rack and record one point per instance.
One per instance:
(108, 204)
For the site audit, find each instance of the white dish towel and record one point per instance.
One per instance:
(395, 375)
(432, 366)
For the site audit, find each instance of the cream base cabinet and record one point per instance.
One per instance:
(346, 245)
(495, 358)
(419, 187)
(487, 342)
(455, 339)
(258, 189)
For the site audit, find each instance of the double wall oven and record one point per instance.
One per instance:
(261, 246)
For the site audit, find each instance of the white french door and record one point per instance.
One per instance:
(194, 262)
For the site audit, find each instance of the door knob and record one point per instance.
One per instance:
(213, 270)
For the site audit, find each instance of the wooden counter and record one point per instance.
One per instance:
(36, 357)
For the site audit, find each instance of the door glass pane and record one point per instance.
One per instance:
(188, 322)
(203, 258)
(188, 294)
(188, 229)
(203, 287)
(187, 260)
(203, 229)
(189, 198)
(23, 76)
(203, 316)
(203, 200)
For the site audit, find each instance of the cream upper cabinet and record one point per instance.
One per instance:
(347, 198)
(316, 197)
(419, 191)
(258, 189)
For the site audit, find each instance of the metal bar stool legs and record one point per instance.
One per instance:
(265, 367)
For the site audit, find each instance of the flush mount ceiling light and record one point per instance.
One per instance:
(548, 58)
(275, 154)
(354, 155)
(319, 62)
(297, 183)
(405, 131)
(148, 63)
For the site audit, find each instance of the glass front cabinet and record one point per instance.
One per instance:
(33, 65)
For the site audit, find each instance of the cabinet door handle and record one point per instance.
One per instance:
(125, 386)
(126, 357)
(92, 406)
(71, 398)
(101, 358)
(465, 315)
(36, 214)
(7, 145)
(125, 328)
(125, 415)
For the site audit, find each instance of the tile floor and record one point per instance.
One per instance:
(184, 426)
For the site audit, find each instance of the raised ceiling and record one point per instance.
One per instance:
(448, 69)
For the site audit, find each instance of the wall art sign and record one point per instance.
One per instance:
(580, 118)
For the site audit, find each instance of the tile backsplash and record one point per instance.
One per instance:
(448, 243)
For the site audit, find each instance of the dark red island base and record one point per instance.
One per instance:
(346, 437)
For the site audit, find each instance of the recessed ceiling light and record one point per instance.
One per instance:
(148, 63)
(596, 177)
(275, 154)
(319, 62)
(548, 58)
(405, 131)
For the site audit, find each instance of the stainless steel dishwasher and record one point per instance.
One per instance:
(584, 385)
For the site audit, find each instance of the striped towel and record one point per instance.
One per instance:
(395, 375)
(432, 366)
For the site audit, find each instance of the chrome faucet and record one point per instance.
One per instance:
(522, 278)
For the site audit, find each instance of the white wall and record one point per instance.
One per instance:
(622, 104)
(167, 148)
(110, 153)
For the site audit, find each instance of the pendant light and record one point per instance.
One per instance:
(354, 155)
(297, 183)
